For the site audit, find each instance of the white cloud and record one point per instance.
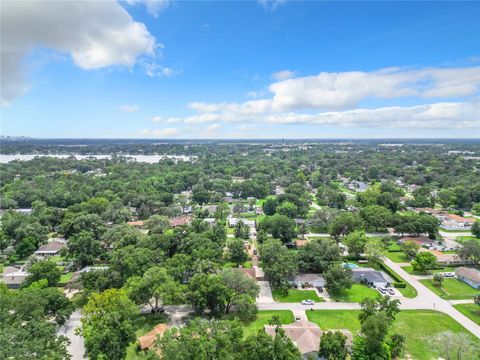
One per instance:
(283, 75)
(167, 132)
(153, 69)
(347, 89)
(271, 5)
(95, 34)
(213, 128)
(154, 7)
(129, 108)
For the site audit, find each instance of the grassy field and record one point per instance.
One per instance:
(295, 295)
(286, 317)
(417, 325)
(462, 239)
(409, 269)
(472, 311)
(246, 265)
(65, 278)
(397, 256)
(357, 293)
(451, 289)
(145, 324)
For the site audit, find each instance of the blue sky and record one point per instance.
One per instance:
(241, 69)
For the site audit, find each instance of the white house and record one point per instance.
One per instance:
(469, 275)
(308, 280)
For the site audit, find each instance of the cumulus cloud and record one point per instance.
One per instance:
(96, 34)
(435, 115)
(283, 75)
(154, 7)
(129, 108)
(346, 89)
(167, 132)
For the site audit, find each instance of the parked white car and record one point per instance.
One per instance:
(391, 291)
(449, 275)
(308, 302)
(382, 290)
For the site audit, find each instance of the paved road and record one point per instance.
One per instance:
(426, 299)
(265, 295)
(76, 347)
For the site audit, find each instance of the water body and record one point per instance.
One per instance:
(150, 159)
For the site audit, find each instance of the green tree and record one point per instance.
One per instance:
(476, 229)
(288, 209)
(155, 288)
(470, 251)
(270, 205)
(47, 270)
(376, 216)
(424, 261)
(317, 256)
(338, 279)
(344, 224)
(333, 346)
(438, 279)
(263, 347)
(280, 226)
(84, 248)
(375, 250)
(446, 198)
(108, 324)
(236, 252)
(410, 249)
(355, 242)
(279, 264)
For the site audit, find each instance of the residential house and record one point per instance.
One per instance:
(308, 280)
(371, 277)
(456, 222)
(469, 275)
(210, 221)
(300, 243)
(13, 276)
(147, 341)
(306, 335)
(137, 224)
(232, 222)
(448, 259)
(51, 249)
(180, 220)
(422, 240)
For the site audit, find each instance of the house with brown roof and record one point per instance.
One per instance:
(469, 276)
(456, 222)
(137, 224)
(448, 259)
(306, 336)
(419, 240)
(180, 220)
(147, 341)
(50, 249)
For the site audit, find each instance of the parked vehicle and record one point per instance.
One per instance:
(449, 275)
(391, 291)
(382, 290)
(308, 302)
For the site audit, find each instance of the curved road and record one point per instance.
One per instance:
(425, 300)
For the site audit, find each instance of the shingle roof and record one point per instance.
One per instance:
(469, 273)
(147, 340)
(51, 246)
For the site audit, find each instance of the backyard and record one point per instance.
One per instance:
(417, 325)
(145, 324)
(397, 256)
(451, 289)
(409, 269)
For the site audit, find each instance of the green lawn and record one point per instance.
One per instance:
(145, 324)
(397, 256)
(455, 231)
(295, 295)
(452, 289)
(286, 317)
(65, 278)
(409, 269)
(357, 293)
(462, 239)
(417, 325)
(472, 311)
(246, 265)
(394, 247)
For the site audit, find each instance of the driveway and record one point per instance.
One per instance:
(76, 347)
(265, 295)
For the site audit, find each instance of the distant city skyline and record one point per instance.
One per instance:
(240, 70)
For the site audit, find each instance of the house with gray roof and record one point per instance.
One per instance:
(307, 280)
(13, 276)
(371, 277)
(469, 276)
